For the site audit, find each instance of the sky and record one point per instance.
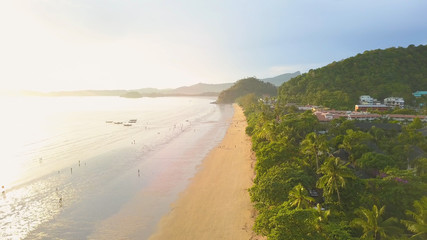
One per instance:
(52, 45)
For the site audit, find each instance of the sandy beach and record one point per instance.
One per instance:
(216, 204)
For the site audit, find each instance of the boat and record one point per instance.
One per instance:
(132, 121)
(118, 122)
(109, 121)
(127, 124)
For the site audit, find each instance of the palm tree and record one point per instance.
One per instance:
(314, 146)
(299, 197)
(321, 217)
(372, 224)
(354, 143)
(419, 226)
(334, 176)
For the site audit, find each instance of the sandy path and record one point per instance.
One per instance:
(216, 204)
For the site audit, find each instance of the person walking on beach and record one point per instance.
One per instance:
(3, 192)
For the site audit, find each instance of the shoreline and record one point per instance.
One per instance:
(165, 172)
(216, 203)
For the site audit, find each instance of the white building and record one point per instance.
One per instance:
(367, 100)
(394, 102)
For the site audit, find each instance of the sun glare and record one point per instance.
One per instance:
(21, 125)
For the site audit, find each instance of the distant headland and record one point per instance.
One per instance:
(199, 89)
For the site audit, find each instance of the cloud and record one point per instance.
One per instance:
(75, 44)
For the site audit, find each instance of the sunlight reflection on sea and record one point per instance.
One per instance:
(64, 168)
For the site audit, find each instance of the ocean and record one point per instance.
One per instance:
(68, 165)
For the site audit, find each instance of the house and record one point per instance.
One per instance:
(329, 115)
(326, 116)
(409, 118)
(371, 107)
(268, 101)
(363, 117)
(394, 102)
(307, 108)
(366, 100)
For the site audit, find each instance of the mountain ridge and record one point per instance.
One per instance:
(199, 89)
(282, 78)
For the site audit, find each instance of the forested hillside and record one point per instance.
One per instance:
(394, 72)
(244, 87)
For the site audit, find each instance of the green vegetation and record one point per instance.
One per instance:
(244, 87)
(419, 225)
(372, 224)
(335, 180)
(394, 72)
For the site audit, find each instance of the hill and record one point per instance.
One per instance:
(200, 89)
(132, 94)
(244, 87)
(279, 80)
(396, 72)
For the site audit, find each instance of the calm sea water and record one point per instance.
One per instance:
(65, 170)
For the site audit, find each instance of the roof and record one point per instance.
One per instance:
(423, 131)
(398, 98)
(364, 115)
(419, 93)
(416, 152)
(371, 105)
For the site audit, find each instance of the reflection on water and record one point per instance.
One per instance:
(20, 207)
(64, 168)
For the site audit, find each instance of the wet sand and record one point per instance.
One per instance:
(216, 204)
